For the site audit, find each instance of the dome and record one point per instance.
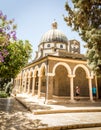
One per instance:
(54, 35)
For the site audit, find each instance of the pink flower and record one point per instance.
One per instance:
(1, 30)
(5, 17)
(1, 58)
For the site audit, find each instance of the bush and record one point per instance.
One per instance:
(3, 94)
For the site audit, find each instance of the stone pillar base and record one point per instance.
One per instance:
(72, 101)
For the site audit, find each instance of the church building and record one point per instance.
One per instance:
(57, 69)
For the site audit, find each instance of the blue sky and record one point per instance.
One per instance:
(34, 18)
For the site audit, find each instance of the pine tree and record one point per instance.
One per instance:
(85, 18)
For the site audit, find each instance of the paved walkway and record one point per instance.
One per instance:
(65, 115)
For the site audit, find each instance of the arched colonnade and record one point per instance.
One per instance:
(61, 78)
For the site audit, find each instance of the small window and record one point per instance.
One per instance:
(72, 46)
(36, 83)
(54, 49)
(48, 45)
(61, 46)
(76, 46)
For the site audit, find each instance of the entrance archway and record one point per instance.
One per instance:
(61, 83)
(81, 81)
(36, 81)
(43, 86)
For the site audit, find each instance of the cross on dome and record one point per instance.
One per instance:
(54, 25)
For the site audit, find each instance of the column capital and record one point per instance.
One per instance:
(50, 74)
(33, 76)
(71, 76)
(89, 77)
(29, 77)
(25, 76)
(39, 76)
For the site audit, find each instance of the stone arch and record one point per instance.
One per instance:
(81, 73)
(36, 74)
(26, 72)
(63, 64)
(43, 74)
(43, 66)
(36, 69)
(31, 71)
(27, 76)
(23, 78)
(84, 67)
(61, 80)
(23, 74)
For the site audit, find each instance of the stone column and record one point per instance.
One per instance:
(97, 95)
(17, 87)
(49, 88)
(25, 84)
(90, 88)
(39, 86)
(71, 87)
(33, 86)
(29, 80)
(16, 82)
(20, 84)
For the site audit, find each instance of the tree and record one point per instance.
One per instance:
(14, 53)
(19, 53)
(85, 18)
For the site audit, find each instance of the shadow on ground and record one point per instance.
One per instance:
(14, 116)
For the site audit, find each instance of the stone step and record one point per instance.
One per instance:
(36, 108)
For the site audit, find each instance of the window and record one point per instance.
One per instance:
(76, 46)
(36, 83)
(54, 49)
(48, 45)
(61, 46)
(72, 46)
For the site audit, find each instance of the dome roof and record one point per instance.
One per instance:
(54, 35)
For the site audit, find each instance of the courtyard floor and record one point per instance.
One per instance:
(62, 115)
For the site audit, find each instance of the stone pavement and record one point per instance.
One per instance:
(63, 115)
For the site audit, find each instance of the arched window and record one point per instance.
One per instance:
(61, 46)
(74, 48)
(48, 45)
(54, 49)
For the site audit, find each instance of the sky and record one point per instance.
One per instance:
(34, 18)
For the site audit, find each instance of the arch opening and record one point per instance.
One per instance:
(81, 81)
(61, 83)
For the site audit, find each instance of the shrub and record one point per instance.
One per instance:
(3, 94)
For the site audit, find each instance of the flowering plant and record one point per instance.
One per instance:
(7, 34)
(14, 53)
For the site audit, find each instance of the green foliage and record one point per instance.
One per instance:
(14, 53)
(19, 53)
(85, 17)
(3, 94)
